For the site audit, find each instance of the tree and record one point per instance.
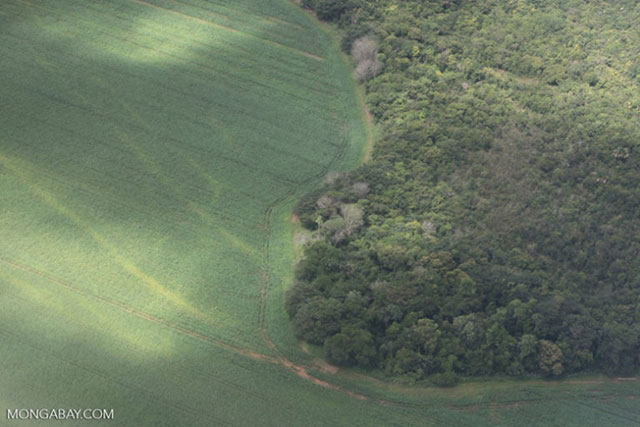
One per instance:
(550, 358)
(427, 334)
(365, 52)
(351, 346)
(318, 319)
(500, 198)
(330, 10)
(618, 351)
(528, 346)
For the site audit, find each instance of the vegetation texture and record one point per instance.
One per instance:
(496, 230)
(150, 156)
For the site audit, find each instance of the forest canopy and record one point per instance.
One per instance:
(496, 229)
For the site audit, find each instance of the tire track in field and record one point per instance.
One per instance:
(183, 369)
(139, 313)
(300, 370)
(230, 29)
(280, 360)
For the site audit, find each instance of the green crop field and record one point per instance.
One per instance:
(150, 155)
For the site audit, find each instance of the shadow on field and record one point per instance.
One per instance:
(154, 154)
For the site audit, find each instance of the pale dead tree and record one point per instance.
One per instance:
(368, 69)
(324, 202)
(360, 189)
(429, 228)
(340, 227)
(365, 48)
(335, 229)
(365, 53)
(355, 16)
(333, 176)
(353, 216)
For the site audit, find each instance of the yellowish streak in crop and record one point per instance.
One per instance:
(21, 172)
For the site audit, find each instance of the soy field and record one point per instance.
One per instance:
(150, 156)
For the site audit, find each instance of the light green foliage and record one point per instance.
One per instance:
(550, 358)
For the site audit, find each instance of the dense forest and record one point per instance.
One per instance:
(496, 229)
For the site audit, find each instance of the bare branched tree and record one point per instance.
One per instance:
(368, 69)
(325, 202)
(364, 48)
(365, 53)
(360, 189)
(333, 176)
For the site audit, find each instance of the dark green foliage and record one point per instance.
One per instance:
(331, 10)
(500, 217)
(352, 34)
(445, 379)
(351, 346)
(306, 209)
